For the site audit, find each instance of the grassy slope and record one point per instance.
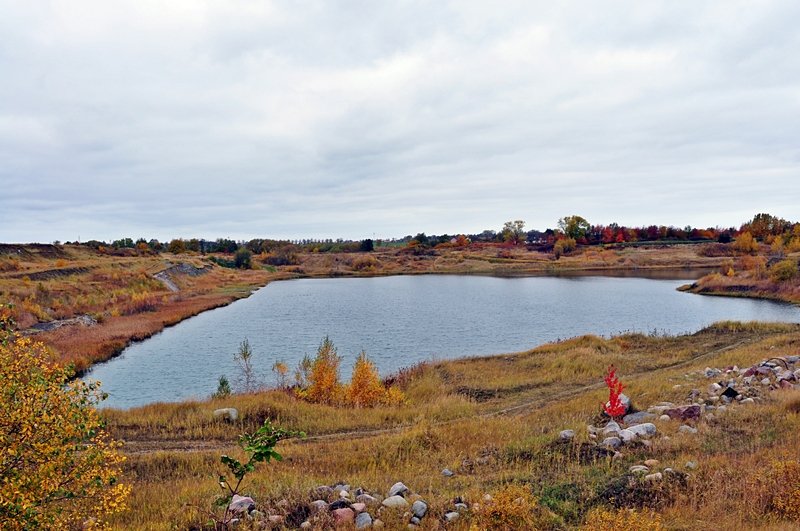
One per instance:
(53, 283)
(493, 420)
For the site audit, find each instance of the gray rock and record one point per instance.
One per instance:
(792, 359)
(654, 477)
(714, 388)
(566, 435)
(638, 469)
(627, 435)
(419, 508)
(241, 504)
(611, 442)
(366, 499)
(323, 491)
(226, 413)
(448, 473)
(664, 418)
(452, 516)
(363, 520)
(461, 507)
(398, 489)
(319, 505)
(748, 401)
(648, 429)
(765, 381)
(710, 373)
(611, 428)
(638, 418)
(395, 501)
(687, 429)
(415, 520)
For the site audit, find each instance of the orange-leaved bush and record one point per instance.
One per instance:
(58, 467)
(365, 387)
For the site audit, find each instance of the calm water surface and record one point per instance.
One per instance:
(405, 319)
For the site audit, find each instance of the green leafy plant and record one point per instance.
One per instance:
(260, 445)
(223, 388)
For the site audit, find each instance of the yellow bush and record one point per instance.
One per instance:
(58, 468)
(324, 386)
(745, 243)
(365, 389)
(622, 520)
(512, 507)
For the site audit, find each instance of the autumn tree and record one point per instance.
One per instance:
(58, 466)
(574, 227)
(745, 243)
(514, 232)
(324, 386)
(365, 387)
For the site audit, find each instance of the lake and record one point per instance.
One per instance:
(402, 320)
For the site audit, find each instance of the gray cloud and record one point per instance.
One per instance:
(284, 119)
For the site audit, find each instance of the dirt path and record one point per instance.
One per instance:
(139, 447)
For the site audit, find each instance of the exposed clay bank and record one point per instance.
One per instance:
(402, 320)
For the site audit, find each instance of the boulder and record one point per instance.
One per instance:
(611, 428)
(648, 429)
(611, 442)
(684, 412)
(241, 504)
(395, 501)
(363, 520)
(654, 477)
(687, 429)
(319, 505)
(638, 469)
(339, 504)
(398, 489)
(627, 436)
(638, 417)
(566, 435)
(419, 508)
(366, 499)
(730, 392)
(226, 413)
(344, 516)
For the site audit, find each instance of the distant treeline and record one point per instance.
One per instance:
(574, 229)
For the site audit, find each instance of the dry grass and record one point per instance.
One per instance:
(743, 479)
(118, 291)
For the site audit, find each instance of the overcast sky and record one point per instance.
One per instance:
(357, 119)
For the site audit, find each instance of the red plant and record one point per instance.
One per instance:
(614, 407)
